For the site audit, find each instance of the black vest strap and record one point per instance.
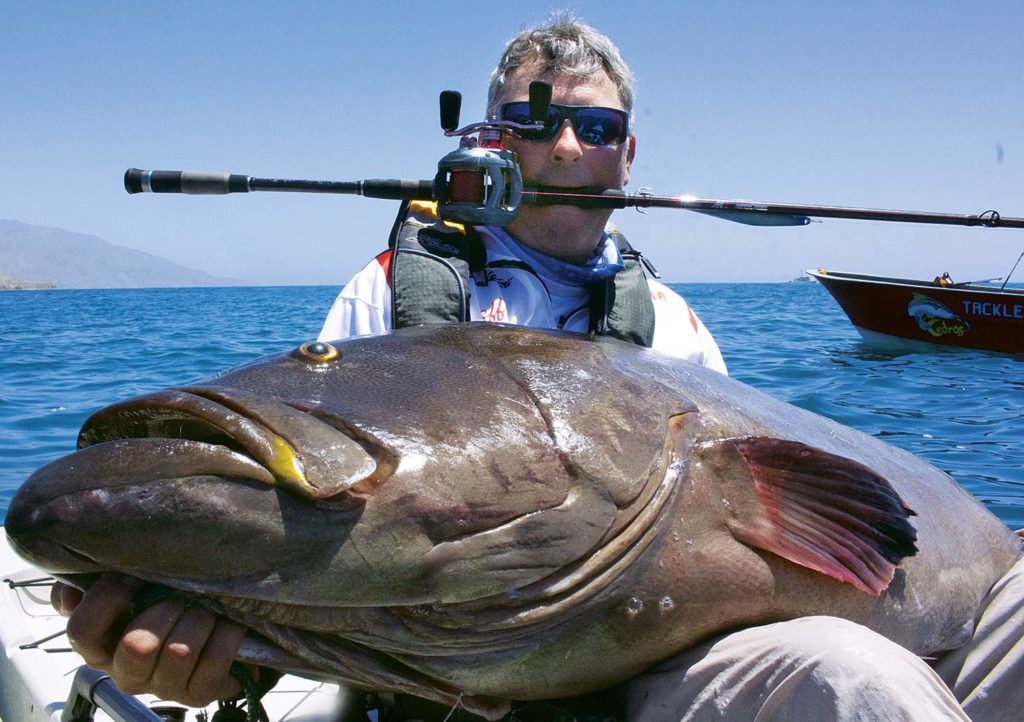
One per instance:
(621, 307)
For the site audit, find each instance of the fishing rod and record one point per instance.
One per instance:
(480, 183)
(1007, 280)
(749, 212)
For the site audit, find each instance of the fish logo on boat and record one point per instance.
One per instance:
(935, 317)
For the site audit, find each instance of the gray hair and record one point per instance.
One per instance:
(565, 46)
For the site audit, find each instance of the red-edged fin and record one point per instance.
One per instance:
(823, 511)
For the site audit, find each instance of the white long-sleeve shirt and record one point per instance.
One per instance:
(518, 296)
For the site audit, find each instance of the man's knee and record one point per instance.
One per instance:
(810, 668)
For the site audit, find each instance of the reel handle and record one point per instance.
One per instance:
(451, 106)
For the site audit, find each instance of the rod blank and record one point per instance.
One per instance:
(762, 213)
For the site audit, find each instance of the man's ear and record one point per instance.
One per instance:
(630, 153)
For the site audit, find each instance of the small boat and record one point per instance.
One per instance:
(905, 312)
(43, 680)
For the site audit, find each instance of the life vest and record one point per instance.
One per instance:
(433, 263)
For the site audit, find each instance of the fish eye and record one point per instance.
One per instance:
(318, 352)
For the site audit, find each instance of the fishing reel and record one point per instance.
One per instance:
(480, 183)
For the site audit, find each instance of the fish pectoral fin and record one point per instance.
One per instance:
(819, 510)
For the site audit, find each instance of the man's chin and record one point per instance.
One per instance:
(544, 224)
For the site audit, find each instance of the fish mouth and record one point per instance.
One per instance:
(185, 457)
(234, 433)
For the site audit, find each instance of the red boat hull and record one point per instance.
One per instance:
(960, 315)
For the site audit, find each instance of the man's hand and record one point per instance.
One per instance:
(177, 652)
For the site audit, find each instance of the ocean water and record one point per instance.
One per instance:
(64, 354)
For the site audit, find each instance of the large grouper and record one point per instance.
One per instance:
(480, 513)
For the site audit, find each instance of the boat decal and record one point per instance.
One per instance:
(935, 317)
(993, 310)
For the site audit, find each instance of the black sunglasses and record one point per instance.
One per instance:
(593, 124)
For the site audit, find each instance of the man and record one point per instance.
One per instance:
(817, 668)
(550, 266)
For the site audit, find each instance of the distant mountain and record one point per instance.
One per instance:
(75, 260)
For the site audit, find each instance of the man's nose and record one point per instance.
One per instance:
(567, 147)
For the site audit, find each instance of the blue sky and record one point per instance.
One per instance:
(912, 105)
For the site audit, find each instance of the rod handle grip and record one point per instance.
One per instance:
(192, 182)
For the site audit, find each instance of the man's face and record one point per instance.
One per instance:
(566, 161)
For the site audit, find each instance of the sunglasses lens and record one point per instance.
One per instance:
(600, 126)
(592, 125)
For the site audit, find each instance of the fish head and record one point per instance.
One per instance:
(435, 464)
